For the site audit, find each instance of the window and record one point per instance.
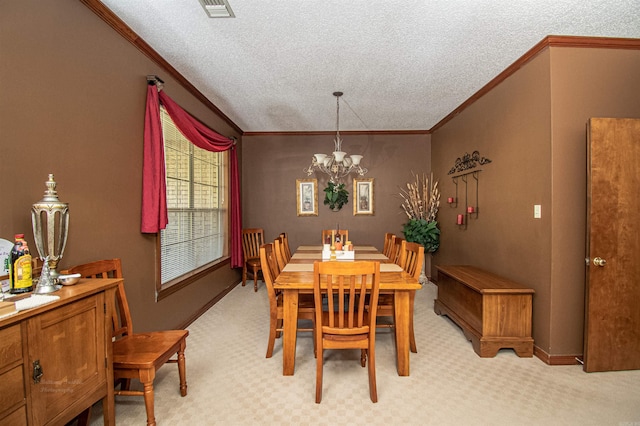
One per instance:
(196, 236)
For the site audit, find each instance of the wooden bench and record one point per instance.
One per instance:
(493, 312)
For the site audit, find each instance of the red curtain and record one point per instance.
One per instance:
(154, 191)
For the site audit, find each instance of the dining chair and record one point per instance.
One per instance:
(326, 235)
(396, 250)
(252, 239)
(346, 324)
(306, 307)
(287, 248)
(388, 244)
(280, 253)
(137, 355)
(411, 259)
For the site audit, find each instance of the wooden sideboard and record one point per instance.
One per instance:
(493, 312)
(68, 342)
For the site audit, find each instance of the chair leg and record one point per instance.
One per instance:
(182, 369)
(255, 278)
(146, 378)
(244, 275)
(412, 336)
(319, 375)
(272, 335)
(373, 389)
(363, 357)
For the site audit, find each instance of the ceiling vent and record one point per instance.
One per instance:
(217, 8)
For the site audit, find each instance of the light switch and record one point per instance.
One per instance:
(537, 211)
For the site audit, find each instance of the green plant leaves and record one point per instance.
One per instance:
(335, 195)
(422, 232)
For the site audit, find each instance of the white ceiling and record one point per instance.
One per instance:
(402, 64)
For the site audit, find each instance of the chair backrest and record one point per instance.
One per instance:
(252, 239)
(326, 235)
(269, 271)
(396, 251)
(109, 268)
(279, 252)
(350, 279)
(412, 258)
(388, 244)
(287, 248)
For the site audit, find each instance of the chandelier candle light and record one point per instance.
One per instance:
(338, 164)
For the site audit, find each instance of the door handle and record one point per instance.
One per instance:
(598, 261)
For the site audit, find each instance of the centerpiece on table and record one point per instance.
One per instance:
(421, 200)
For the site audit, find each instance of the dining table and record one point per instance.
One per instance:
(297, 277)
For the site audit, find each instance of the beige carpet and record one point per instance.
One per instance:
(232, 383)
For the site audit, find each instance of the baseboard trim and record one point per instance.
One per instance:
(206, 307)
(556, 359)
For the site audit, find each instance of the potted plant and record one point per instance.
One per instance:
(420, 203)
(335, 196)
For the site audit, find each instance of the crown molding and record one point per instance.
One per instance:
(128, 34)
(549, 41)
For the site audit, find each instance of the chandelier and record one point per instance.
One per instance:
(338, 164)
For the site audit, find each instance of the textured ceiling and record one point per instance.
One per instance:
(402, 64)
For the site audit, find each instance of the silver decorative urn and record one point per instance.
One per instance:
(50, 220)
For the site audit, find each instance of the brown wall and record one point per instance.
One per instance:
(532, 127)
(272, 163)
(72, 99)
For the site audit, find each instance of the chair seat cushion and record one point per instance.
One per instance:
(145, 350)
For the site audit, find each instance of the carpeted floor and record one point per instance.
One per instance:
(230, 382)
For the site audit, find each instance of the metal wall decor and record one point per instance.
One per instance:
(471, 207)
(467, 162)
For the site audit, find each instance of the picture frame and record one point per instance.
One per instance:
(307, 197)
(363, 200)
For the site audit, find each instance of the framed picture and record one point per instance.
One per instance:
(363, 196)
(307, 197)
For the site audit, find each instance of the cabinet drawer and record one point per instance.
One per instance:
(11, 388)
(16, 418)
(10, 345)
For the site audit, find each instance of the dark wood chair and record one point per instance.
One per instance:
(344, 235)
(252, 239)
(346, 324)
(137, 355)
(306, 308)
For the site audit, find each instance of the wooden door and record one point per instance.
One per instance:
(612, 322)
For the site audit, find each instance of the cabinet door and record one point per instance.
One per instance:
(68, 343)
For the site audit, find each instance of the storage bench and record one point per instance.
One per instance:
(493, 312)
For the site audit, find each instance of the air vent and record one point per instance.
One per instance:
(217, 8)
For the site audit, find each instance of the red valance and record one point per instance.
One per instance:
(154, 190)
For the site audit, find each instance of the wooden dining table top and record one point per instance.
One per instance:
(298, 273)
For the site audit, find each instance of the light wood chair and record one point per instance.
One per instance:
(411, 259)
(350, 326)
(344, 235)
(388, 244)
(137, 355)
(252, 239)
(287, 248)
(396, 250)
(280, 253)
(306, 308)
